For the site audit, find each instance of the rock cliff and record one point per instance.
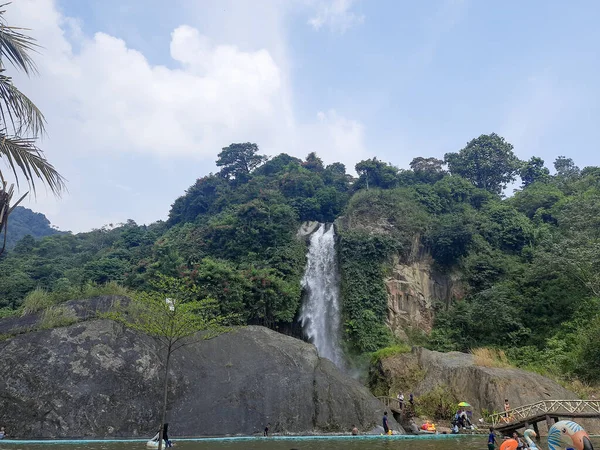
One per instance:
(99, 379)
(414, 288)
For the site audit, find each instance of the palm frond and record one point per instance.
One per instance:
(23, 154)
(16, 46)
(18, 110)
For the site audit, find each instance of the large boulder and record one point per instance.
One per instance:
(99, 379)
(483, 387)
(487, 387)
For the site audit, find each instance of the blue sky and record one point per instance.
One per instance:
(141, 95)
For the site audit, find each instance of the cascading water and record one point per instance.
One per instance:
(320, 312)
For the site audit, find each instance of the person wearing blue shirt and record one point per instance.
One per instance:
(386, 428)
(491, 440)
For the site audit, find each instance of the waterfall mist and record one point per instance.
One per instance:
(320, 312)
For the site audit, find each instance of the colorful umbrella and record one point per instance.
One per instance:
(464, 404)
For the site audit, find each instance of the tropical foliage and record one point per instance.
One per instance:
(529, 262)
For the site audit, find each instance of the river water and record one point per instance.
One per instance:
(353, 443)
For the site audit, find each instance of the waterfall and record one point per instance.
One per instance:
(320, 312)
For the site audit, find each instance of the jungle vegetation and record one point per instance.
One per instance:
(529, 261)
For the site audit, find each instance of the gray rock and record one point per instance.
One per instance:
(306, 229)
(80, 310)
(486, 387)
(99, 379)
(482, 387)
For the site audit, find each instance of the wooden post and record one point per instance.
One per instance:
(537, 431)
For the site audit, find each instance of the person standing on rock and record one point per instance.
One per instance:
(386, 428)
(354, 430)
(266, 432)
(411, 399)
(2, 433)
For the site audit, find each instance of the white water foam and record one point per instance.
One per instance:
(320, 312)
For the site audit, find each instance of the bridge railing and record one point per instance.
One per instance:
(545, 407)
(390, 402)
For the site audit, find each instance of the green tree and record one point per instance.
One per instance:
(21, 123)
(506, 228)
(239, 160)
(428, 170)
(375, 173)
(533, 170)
(336, 176)
(566, 168)
(487, 161)
(537, 199)
(449, 239)
(105, 269)
(589, 352)
(278, 164)
(173, 314)
(199, 199)
(313, 163)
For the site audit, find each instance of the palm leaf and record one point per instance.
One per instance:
(16, 46)
(23, 154)
(18, 110)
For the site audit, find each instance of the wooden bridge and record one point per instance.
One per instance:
(391, 403)
(549, 410)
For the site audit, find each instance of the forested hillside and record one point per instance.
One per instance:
(530, 261)
(23, 222)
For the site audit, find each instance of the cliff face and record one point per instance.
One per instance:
(99, 379)
(413, 290)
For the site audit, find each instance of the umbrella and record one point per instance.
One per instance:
(464, 404)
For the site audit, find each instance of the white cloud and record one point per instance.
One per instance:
(335, 14)
(116, 119)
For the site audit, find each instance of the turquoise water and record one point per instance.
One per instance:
(440, 442)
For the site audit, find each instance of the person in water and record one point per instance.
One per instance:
(354, 430)
(520, 443)
(492, 440)
(168, 443)
(266, 432)
(386, 428)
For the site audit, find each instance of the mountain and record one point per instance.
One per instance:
(23, 222)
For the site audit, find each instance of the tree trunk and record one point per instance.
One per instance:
(6, 193)
(165, 397)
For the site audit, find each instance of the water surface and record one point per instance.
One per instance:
(360, 443)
